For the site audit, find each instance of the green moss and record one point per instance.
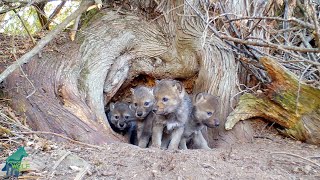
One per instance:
(86, 20)
(297, 132)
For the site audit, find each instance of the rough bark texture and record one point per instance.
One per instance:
(116, 48)
(291, 104)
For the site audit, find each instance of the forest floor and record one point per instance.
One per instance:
(270, 156)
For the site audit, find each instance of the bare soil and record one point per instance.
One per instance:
(264, 158)
(256, 160)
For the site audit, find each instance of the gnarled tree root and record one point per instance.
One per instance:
(293, 105)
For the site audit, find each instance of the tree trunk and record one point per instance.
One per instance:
(69, 84)
(288, 102)
(41, 15)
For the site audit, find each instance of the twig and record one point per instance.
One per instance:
(25, 27)
(285, 23)
(74, 29)
(13, 120)
(307, 44)
(62, 136)
(316, 24)
(235, 30)
(258, 22)
(82, 172)
(294, 20)
(269, 44)
(298, 156)
(10, 140)
(44, 41)
(11, 8)
(57, 164)
(56, 12)
(30, 177)
(245, 42)
(205, 31)
(23, 73)
(263, 137)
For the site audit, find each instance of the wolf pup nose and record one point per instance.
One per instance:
(216, 122)
(121, 124)
(139, 114)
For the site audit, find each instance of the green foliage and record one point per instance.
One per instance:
(12, 24)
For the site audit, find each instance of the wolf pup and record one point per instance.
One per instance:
(204, 113)
(143, 100)
(173, 108)
(122, 120)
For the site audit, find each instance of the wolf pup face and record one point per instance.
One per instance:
(206, 109)
(168, 95)
(121, 114)
(143, 101)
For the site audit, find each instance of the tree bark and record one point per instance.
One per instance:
(291, 104)
(41, 15)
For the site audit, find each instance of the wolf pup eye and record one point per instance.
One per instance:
(146, 103)
(126, 117)
(209, 113)
(116, 117)
(135, 104)
(165, 99)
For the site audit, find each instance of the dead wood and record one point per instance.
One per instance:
(290, 103)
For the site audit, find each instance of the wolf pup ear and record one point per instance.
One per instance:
(199, 97)
(178, 85)
(111, 106)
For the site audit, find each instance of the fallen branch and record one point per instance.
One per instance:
(74, 29)
(44, 41)
(288, 102)
(57, 164)
(55, 13)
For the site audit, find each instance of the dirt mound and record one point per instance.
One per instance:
(262, 159)
(256, 160)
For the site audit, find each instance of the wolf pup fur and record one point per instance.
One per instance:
(173, 109)
(204, 113)
(123, 121)
(143, 101)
